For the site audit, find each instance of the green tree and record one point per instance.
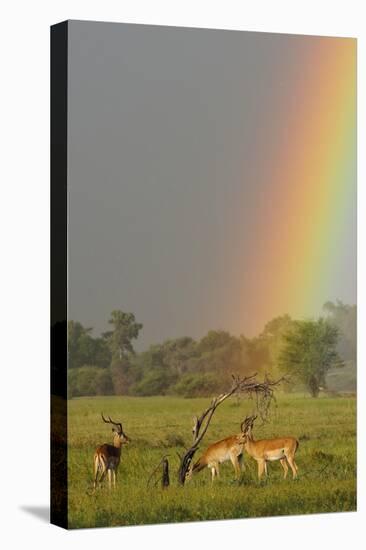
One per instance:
(125, 329)
(159, 367)
(89, 380)
(101, 353)
(309, 351)
(84, 349)
(198, 385)
(77, 338)
(121, 375)
(344, 317)
(179, 354)
(270, 342)
(221, 353)
(81, 381)
(155, 382)
(103, 382)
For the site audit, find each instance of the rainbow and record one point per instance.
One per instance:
(306, 216)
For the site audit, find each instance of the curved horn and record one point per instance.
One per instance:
(110, 421)
(116, 424)
(245, 423)
(106, 421)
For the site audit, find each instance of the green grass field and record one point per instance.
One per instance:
(325, 427)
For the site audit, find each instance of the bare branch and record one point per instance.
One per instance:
(165, 476)
(264, 392)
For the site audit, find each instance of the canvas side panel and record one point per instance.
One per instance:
(59, 49)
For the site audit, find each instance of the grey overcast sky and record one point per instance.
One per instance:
(170, 130)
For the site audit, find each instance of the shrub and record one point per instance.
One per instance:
(155, 382)
(89, 380)
(120, 376)
(103, 382)
(198, 385)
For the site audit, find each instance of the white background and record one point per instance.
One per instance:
(24, 317)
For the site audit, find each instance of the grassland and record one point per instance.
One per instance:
(325, 427)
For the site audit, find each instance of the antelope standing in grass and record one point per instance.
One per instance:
(230, 448)
(107, 457)
(268, 450)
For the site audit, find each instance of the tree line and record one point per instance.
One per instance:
(305, 350)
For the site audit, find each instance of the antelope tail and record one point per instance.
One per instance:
(99, 467)
(96, 468)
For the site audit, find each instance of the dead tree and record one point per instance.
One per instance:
(263, 392)
(164, 479)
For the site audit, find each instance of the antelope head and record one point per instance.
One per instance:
(247, 425)
(117, 430)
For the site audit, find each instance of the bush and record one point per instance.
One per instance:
(88, 381)
(198, 385)
(155, 382)
(120, 376)
(103, 382)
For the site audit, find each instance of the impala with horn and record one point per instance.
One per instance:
(268, 450)
(107, 457)
(231, 448)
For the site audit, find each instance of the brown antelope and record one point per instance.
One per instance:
(230, 448)
(107, 457)
(268, 450)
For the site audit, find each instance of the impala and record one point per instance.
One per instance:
(107, 457)
(230, 448)
(268, 450)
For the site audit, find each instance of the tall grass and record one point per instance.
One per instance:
(325, 427)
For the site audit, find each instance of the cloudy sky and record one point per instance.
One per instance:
(211, 177)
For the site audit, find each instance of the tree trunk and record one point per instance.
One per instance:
(314, 386)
